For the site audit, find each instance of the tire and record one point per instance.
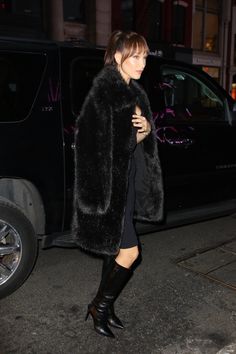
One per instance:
(18, 247)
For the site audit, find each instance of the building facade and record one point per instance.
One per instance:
(195, 31)
(231, 57)
(162, 22)
(211, 26)
(202, 32)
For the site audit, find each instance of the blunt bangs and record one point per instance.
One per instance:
(127, 43)
(134, 44)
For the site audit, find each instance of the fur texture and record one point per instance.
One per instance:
(103, 141)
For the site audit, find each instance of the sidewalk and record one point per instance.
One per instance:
(172, 304)
(192, 347)
(230, 349)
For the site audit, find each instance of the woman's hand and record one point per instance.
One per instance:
(144, 127)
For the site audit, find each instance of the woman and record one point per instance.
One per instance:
(117, 171)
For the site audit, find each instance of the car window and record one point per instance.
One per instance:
(83, 71)
(188, 98)
(20, 77)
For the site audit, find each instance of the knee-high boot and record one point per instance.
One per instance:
(112, 319)
(112, 284)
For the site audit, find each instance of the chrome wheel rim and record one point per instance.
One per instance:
(10, 251)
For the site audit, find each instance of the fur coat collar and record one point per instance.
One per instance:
(104, 140)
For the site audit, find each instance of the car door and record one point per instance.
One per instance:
(80, 70)
(196, 141)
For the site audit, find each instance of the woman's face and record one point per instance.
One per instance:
(133, 66)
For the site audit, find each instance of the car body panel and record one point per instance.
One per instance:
(197, 150)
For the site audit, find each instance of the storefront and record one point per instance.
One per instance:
(210, 64)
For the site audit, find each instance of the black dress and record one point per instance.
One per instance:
(129, 236)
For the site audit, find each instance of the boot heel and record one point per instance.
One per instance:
(87, 314)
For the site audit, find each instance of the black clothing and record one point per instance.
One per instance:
(103, 141)
(114, 281)
(129, 237)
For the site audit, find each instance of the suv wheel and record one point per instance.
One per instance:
(18, 247)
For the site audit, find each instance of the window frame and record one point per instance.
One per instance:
(40, 83)
(204, 9)
(175, 32)
(85, 59)
(202, 78)
(156, 35)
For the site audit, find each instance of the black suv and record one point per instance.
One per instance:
(42, 88)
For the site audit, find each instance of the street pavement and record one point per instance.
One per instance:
(166, 308)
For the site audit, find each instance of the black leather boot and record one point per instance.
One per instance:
(113, 282)
(112, 319)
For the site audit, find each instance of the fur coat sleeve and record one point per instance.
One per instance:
(94, 156)
(103, 148)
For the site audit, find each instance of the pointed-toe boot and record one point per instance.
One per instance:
(113, 320)
(112, 283)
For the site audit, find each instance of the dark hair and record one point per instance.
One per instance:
(127, 43)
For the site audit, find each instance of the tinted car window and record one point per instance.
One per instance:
(187, 97)
(20, 77)
(83, 71)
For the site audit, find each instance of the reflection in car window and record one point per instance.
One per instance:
(189, 98)
(83, 72)
(20, 77)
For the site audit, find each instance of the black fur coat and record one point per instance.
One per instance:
(103, 140)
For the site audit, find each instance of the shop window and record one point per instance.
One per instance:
(233, 89)
(27, 7)
(206, 25)
(155, 9)
(19, 84)
(179, 24)
(214, 72)
(74, 10)
(23, 14)
(127, 9)
(213, 5)
(148, 19)
(235, 50)
(199, 2)
(211, 32)
(197, 29)
(23, 7)
(5, 7)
